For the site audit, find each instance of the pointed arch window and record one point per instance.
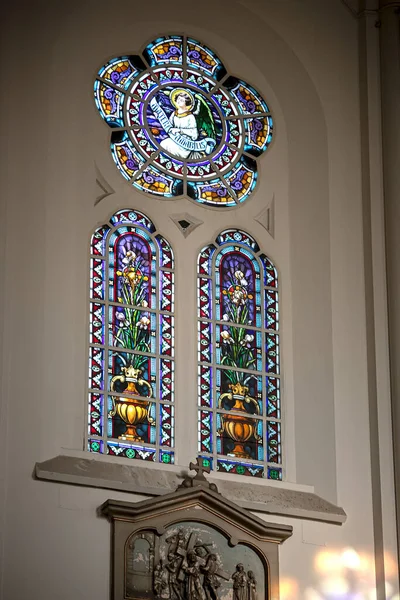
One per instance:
(131, 345)
(239, 414)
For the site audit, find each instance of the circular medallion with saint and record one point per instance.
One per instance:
(181, 125)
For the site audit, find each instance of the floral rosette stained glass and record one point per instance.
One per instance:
(181, 126)
(239, 414)
(131, 340)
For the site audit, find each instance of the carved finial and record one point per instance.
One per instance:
(200, 468)
(198, 480)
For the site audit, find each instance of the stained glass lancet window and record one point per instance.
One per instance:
(180, 125)
(131, 349)
(239, 414)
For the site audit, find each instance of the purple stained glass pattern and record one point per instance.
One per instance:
(202, 57)
(109, 103)
(242, 178)
(249, 101)
(180, 125)
(125, 155)
(214, 192)
(131, 340)
(259, 134)
(166, 49)
(239, 423)
(119, 71)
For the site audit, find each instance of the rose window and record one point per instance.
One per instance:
(181, 126)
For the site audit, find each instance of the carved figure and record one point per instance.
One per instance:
(174, 584)
(211, 581)
(176, 543)
(240, 591)
(252, 585)
(193, 587)
(159, 583)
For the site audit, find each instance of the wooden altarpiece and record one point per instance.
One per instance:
(192, 544)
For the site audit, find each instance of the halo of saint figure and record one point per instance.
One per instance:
(191, 571)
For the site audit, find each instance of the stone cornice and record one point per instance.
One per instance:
(157, 480)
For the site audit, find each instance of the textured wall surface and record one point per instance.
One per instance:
(54, 544)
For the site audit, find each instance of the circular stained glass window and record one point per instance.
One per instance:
(181, 125)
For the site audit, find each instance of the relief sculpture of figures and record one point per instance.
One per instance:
(174, 584)
(211, 581)
(188, 566)
(240, 591)
(194, 589)
(252, 585)
(161, 582)
(163, 553)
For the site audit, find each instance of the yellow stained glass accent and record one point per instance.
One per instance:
(205, 56)
(119, 67)
(250, 97)
(109, 99)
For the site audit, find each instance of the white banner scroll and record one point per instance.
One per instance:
(206, 145)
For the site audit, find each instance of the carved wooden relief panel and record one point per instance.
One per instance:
(193, 544)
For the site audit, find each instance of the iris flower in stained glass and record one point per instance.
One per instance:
(239, 423)
(131, 340)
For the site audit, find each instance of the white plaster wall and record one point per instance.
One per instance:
(55, 546)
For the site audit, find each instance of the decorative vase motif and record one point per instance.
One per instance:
(239, 427)
(132, 411)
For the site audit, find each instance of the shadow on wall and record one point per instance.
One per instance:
(342, 574)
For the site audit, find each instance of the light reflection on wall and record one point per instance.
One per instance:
(343, 574)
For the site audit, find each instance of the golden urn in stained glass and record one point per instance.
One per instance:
(240, 427)
(131, 409)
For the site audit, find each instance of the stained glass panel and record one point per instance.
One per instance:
(183, 126)
(259, 134)
(239, 423)
(199, 55)
(109, 102)
(214, 192)
(131, 340)
(125, 155)
(167, 49)
(120, 71)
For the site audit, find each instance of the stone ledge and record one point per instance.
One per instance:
(153, 481)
